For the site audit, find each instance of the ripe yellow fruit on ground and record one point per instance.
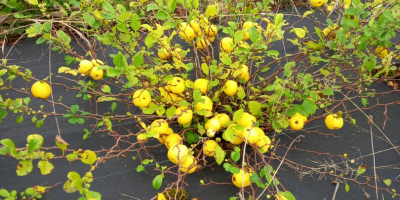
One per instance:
(244, 71)
(301, 116)
(317, 3)
(213, 124)
(211, 31)
(238, 139)
(41, 89)
(207, 105)
(381, 52)
(251, 135)
(223, 119)
(333, 121)
(194, 24)
(211, 39)
(187, 33)
(184, 114)
(202, 44)
(96, 73)
(201, 84)
(97, 62)
(227, 44)
(177, 153)
(163, 54)
(162, 138)
(231, 88)
(241, 179)
(188, 162)
(85, 66)
(142, 138)
(180, 54)
(264, 144)
(209, 148)
(159, 126)
(247, 120)
(172, 140)
(176, 85)
(141, 98)
(296, 123)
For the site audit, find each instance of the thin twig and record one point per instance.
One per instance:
(51, 88)
(280, 164)
(370, 122)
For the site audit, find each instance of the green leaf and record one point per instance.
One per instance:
(92, 195)
(387, 182)
(229, 135)
(73, 176)
(309, 106)
(388, 15)
(196, 95)
(140, 168)
(138, 59)
(237, 115)
(74, 109)
(219, 155)
(361, 170)
(235, 156)
(45, 167)
(273, 53)
(3, 114)
(113, 106)
(241, 94)
(108, 7)
(205, 68)
(299, 32)
(34, 144)
(196, 4)
(350, 22)
(171, 111)
(33, 2)
(227, 166)
(288, 195)
(61, 143)
(346, 187)
(278, 19)
(157, 181)
(135, 22)
(255, 108)
(152, 7)
(39, 123)
(211, 10)
(20, 118)
(24, 167)
(370, 62)
(4, 193)
(106, 89)
(161, 15)
(228, 108)
(147, 161)
(71, 157)
(119, 61)
(63, 37)
(308, 13)
(88, 157)
(325, 72)
(364, 101)
(8, 143)
(253, 33)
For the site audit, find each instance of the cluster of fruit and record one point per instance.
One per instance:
(42, 90)
(332, 121)
(91, 68)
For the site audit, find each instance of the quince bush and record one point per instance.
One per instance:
(245, 92)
